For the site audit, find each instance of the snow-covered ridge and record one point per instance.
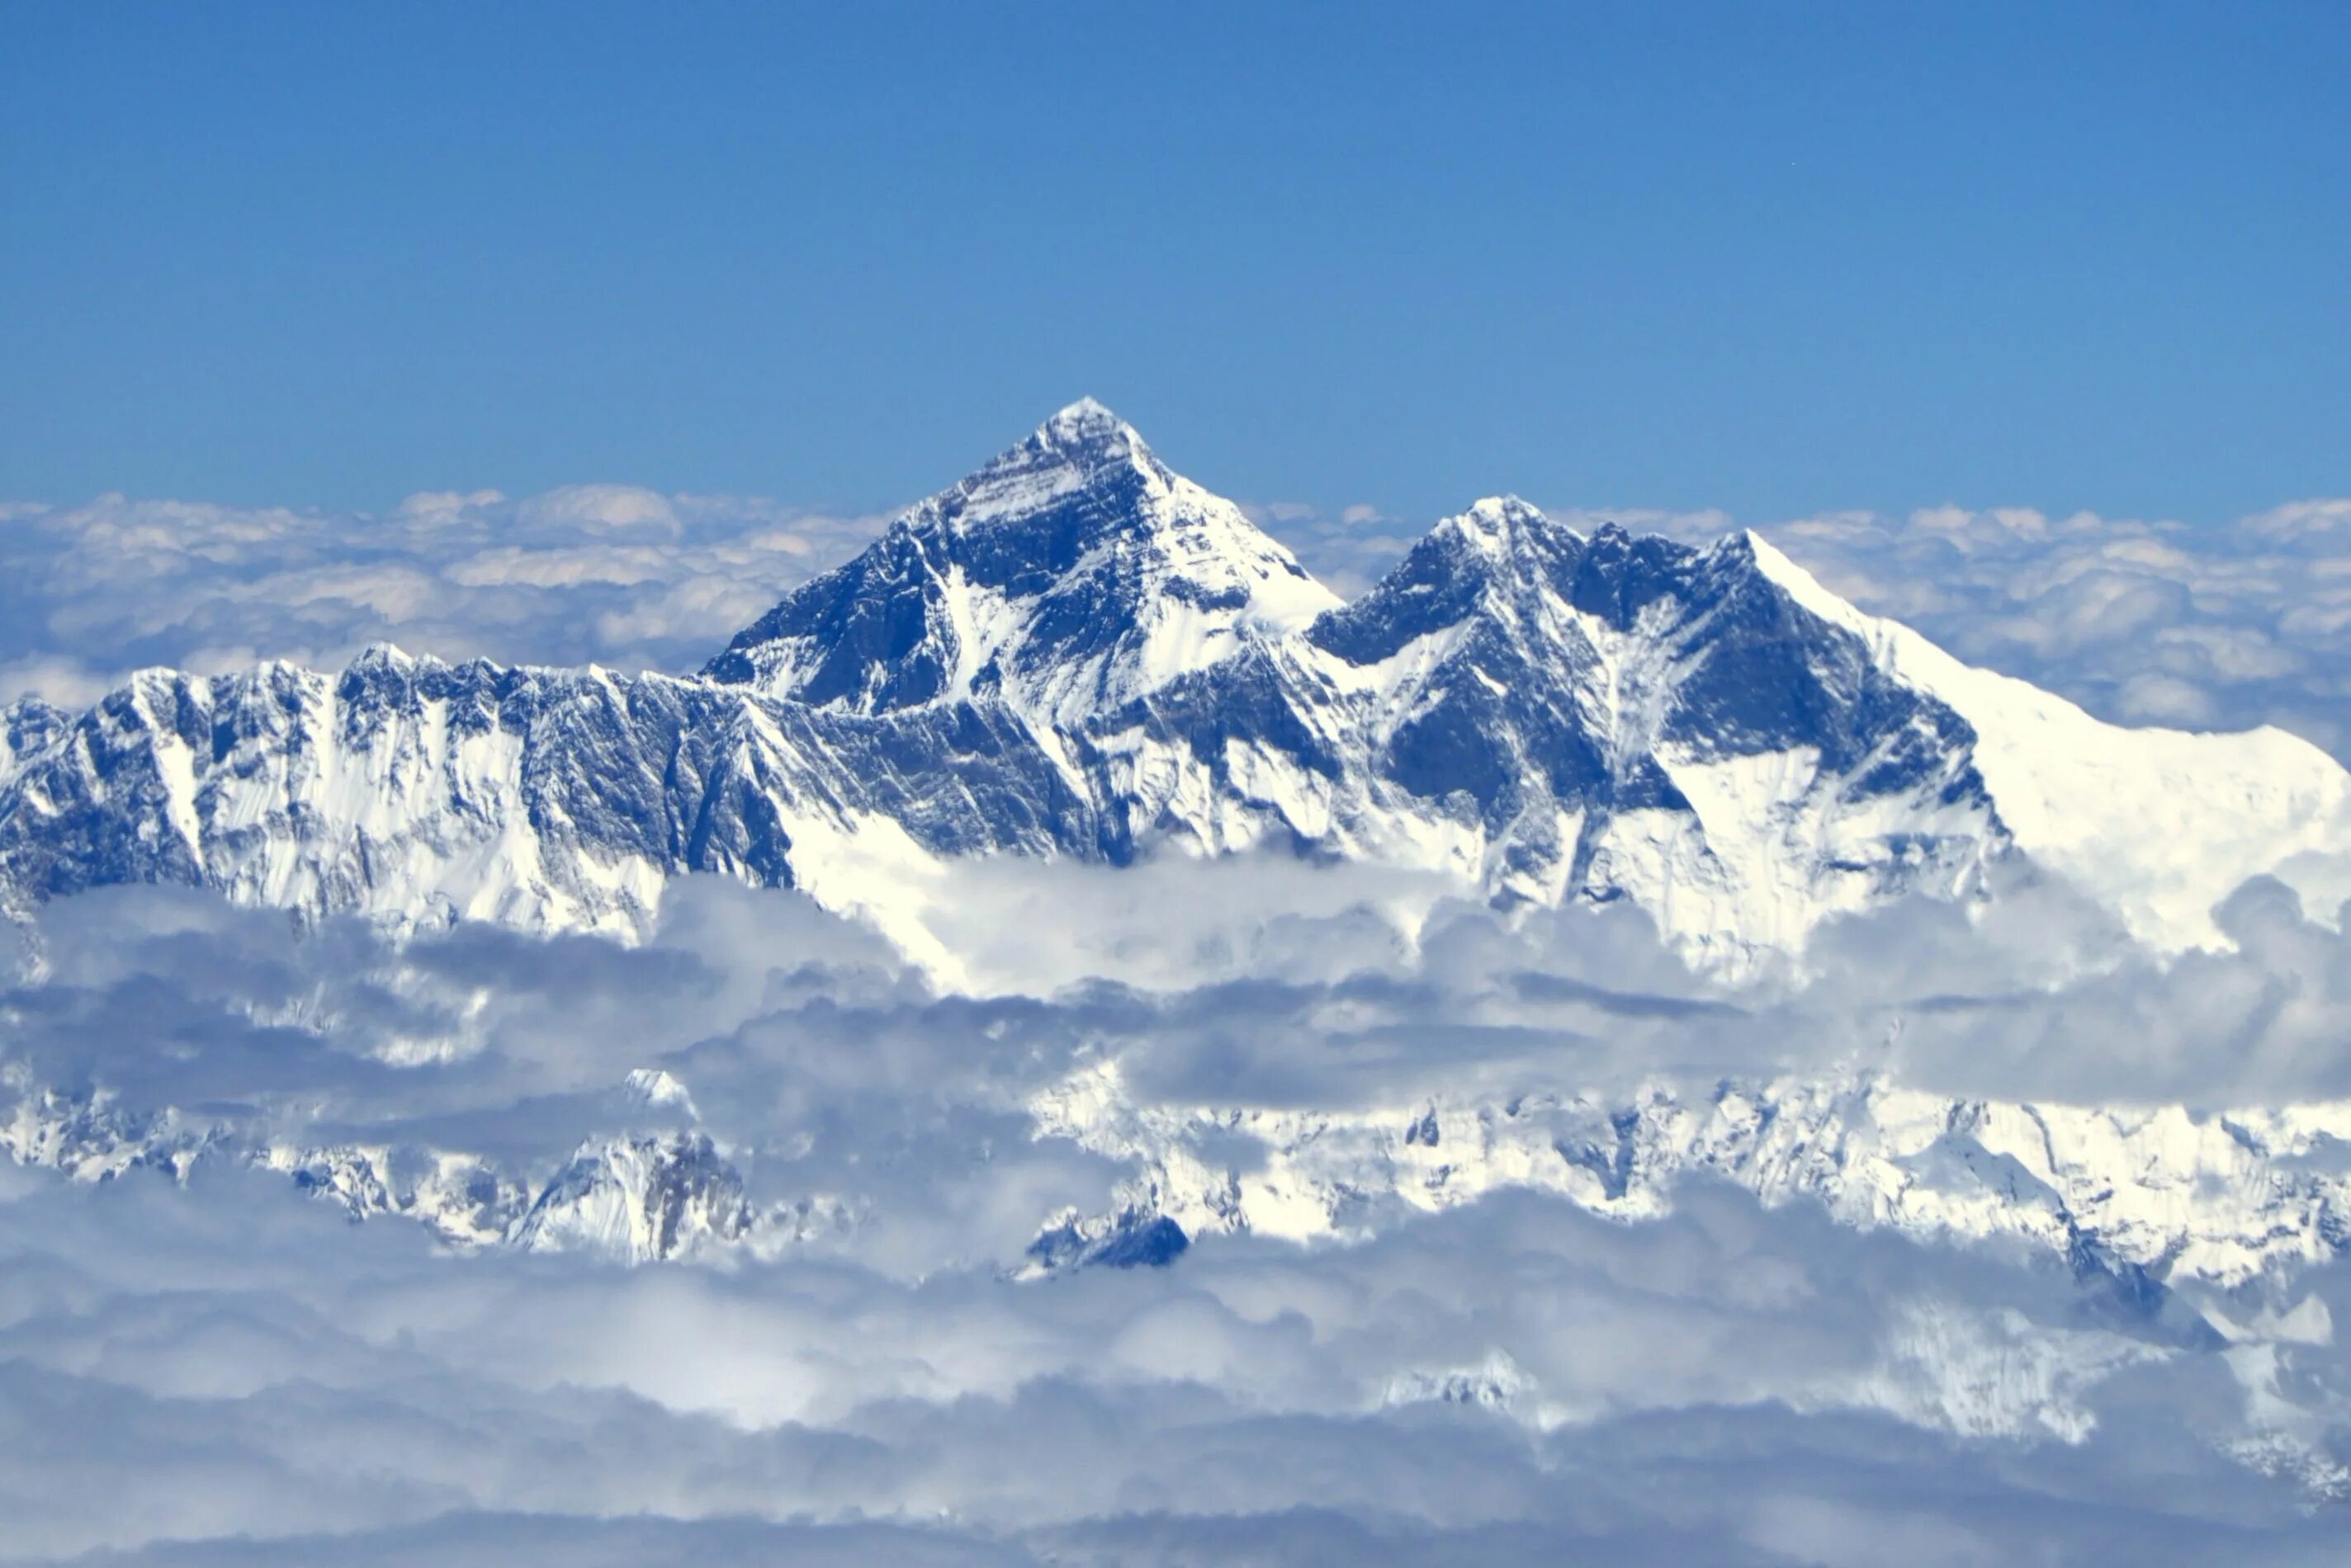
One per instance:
(1076, 653)
(2145, 1199)
(416, 791)
(2159, 825)
(653, 1187)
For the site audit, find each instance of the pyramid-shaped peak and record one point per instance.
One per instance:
(1069, 575)
(1080, 446)
(1083, 447)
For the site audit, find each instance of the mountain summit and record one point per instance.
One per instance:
(1074, 572)
(1076, 653)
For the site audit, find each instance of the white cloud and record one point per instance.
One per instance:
(612, 574)
(63, 680)
(602, 508)
(1508, 1379)
(252, 1366)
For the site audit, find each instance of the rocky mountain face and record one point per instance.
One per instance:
(556, 800)
(1077, 654)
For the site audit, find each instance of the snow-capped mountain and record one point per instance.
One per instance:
(1552, 717)
(421, 790)
(1076, 653)
(2143, 1201)
(1074, 573)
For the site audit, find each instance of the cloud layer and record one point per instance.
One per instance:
(607, 573)
(1729, 1386)
(229, 1359)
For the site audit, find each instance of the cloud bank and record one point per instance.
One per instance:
(222, 1369)
(231, 1366)
(603, 573)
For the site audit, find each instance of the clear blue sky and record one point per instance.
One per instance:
(1769, 257)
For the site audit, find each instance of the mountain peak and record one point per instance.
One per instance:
(1496, 522)
(1085, 435)
(1071, 573)
(1473, 564)
(1081, 448)
(1084, 422)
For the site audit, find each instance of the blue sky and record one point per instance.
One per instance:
(1774, 259)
